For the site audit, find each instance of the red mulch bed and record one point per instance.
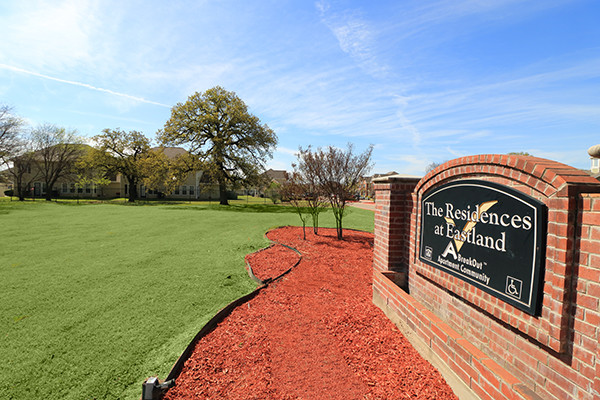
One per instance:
(314, 334)
(272, 261)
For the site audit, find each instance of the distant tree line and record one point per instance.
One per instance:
(221, 138)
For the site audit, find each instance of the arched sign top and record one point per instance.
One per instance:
(552, 173)
(488, 235)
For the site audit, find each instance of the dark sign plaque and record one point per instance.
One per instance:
(488, 235)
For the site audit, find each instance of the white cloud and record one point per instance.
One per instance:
(84, 85)
(355, 37)
(48, 35)
(284, 150)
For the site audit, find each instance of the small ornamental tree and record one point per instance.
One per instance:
(339, 173)
(306, 174)
(294, 191)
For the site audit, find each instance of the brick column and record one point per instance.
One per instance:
(588, 308)
(394, 203)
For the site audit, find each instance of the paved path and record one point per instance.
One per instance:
(365, 205)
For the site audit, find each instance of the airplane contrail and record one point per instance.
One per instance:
(85, 85)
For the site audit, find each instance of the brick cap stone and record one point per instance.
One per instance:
(397, 178)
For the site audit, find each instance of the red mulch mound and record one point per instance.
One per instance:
(314, 334)
(272, 261)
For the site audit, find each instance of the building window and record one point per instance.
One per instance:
(176, 189)
(72, 189)
(65, 188)
(183, 190)
(191, 190)
(595, 165)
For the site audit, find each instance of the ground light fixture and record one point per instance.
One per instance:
(153, 389)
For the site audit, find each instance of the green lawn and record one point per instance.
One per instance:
(94, 298)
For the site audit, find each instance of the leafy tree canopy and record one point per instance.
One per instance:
(216, 127)
(117, 151)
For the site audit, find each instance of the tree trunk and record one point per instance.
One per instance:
(339, 215)
(132, 189)
(20, 191)
(223, 194)
(340, 232)
(49, 187)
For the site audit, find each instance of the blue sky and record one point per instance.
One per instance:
(423, 81)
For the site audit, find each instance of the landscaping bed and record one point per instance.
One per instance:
(314, 334)
(271, 262)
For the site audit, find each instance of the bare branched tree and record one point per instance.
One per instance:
(295, 191)
(430, 167)
(57, 152)
(22, 169)
(339, 172)
(10, 129)
(307, 172)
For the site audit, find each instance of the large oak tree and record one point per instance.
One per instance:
(216, 127)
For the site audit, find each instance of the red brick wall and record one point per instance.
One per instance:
(552, 355)
(587, 313)
(392, 223)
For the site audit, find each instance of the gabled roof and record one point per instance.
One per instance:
(278, 175)
(78, 146)
(172, 152)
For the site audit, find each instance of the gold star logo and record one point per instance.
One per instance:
(483, 207)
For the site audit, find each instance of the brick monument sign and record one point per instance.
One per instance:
(490, 265)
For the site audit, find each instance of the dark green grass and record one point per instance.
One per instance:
(95, 298)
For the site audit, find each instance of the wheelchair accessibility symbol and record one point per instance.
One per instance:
(428, 252)
(513, 287)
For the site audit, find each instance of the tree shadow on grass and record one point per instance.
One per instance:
(245, 208)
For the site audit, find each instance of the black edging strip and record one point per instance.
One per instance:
(221, 315)
(206, 329)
